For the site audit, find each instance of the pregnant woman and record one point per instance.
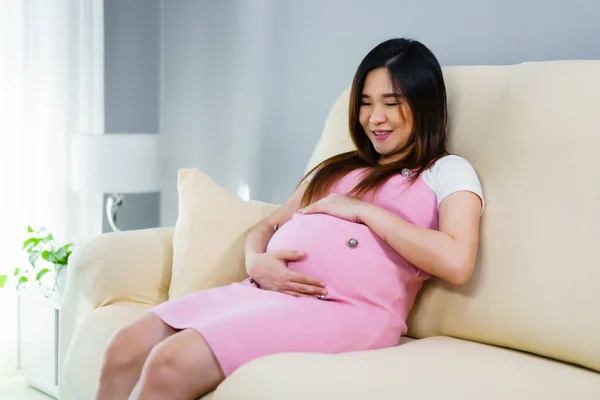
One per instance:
(337, 267)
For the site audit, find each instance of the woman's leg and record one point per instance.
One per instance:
(126, 354)
(182, 367)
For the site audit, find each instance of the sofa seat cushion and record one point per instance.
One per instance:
(432, 368)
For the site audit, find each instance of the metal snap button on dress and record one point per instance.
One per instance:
(352, 243)
(406, 172)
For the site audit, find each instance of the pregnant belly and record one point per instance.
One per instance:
(353, 261)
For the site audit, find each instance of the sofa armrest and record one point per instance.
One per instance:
(131, 266)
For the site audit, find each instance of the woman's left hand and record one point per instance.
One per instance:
(337, 205)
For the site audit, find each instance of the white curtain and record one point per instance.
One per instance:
(51, 86)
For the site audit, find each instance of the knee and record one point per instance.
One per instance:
(121, 350)
(161, 369)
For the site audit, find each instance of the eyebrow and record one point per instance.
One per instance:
(386, 95)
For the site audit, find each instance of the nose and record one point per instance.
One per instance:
(377, 117)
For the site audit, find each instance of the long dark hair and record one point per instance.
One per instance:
(417, 75)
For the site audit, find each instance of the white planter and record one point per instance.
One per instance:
(38, 334)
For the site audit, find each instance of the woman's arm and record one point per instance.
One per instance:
(449, 253)
(270, 270)
(261, 233)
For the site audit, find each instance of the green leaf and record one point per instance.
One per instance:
(31, 241)
(34, 257)
(17, 271)
(3, 279)
(62, 256)
(48, 238)
(41, 273)
(29, 229)
(49, 256)
(61, 253)
(23, 280)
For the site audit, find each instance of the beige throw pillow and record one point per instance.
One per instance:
(208, 243)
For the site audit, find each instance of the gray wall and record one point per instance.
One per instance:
(246, 85)
(131, 85)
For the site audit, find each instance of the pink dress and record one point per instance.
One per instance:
(371, 288)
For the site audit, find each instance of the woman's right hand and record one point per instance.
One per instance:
(270, 271)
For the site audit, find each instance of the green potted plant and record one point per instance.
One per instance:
(47, 263)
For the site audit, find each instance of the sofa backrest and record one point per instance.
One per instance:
(532, 132)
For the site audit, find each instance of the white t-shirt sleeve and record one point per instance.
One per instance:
(451, 174)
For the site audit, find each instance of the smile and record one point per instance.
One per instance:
(380, 135)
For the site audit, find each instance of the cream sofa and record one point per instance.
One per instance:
(526, 326)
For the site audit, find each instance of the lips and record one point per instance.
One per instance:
(381, 134)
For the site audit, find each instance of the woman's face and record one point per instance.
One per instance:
(385, 116)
